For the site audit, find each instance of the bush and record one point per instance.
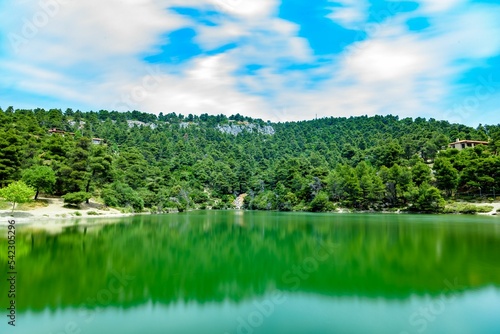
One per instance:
(17, 192)
(199, 196)
(427, 199)
(218, 205)
(76, 199)
(467, 208)
(122, 195)
(93, 213)
(320, 203)
(77, 213)
(263, 201)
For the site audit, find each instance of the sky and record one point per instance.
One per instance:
(276, 60)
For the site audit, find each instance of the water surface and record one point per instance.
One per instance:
(257, 272)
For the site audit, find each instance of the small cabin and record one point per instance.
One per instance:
(97, 141)
(60, 132)
(461, 144)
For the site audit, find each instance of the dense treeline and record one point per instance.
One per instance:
(175, 161)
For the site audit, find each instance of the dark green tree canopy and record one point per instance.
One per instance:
(172, 161)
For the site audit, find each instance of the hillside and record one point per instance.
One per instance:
(138, 160)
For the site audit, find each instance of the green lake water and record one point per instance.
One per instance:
(259, 272)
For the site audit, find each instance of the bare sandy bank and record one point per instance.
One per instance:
(496, 207)
(55, 214)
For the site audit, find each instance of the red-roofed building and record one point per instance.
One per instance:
(461, 144)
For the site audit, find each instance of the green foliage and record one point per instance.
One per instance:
(263, 201)
(10, 147)
(17, 192)
(421, 173)
(77, 198)
(321, 203)
(172, 161)
(40, 177)
(446, 175)
(467, 208)
(122, 195)
(427, 199)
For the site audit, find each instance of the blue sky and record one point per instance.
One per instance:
(276, 60)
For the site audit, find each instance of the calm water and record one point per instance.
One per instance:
(255, 272)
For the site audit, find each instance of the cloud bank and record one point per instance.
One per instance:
(262, 58)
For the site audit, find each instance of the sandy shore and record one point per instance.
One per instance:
(496, 206)
(56, 214)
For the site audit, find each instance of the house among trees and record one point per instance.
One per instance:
(61, 132)
(461, 144)
(97, 141)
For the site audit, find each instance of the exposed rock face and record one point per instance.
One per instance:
(238, 202)
(236, 129)
(131, 124)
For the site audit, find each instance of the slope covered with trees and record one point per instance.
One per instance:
(138, 160)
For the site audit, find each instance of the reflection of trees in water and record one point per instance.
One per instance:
(221, 256)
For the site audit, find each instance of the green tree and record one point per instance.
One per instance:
(76, 198)
(9, 156)
(495, 140)
(427, 199)
(421, 173)
(321, 203)
(119, 194)
(446, 175)
(40, 178)
(17, 192)
(100, 163)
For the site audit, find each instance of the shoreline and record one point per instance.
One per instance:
(53, 215)
(50, 211)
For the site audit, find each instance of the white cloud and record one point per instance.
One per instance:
(90, 53)
(350, 13)
(208, 86)
(402, 73)
(433, 6)
(247, 9)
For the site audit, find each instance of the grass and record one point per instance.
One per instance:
(4, 205)
(127, 209)
(93, 213)
(39, 203)
(467, 208)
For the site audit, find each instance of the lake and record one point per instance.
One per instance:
(259, 272)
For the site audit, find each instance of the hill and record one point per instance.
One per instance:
(138, 160)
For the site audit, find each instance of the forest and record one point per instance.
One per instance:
(139, 162)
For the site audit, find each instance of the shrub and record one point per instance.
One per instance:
(77, 213)
(427, 199)
(93, 213)
(17, 192)
(484, 208)
(76, 199)
(199, 196)
(467, 208)
(122, 195)
(320, 203)
(264, 201)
